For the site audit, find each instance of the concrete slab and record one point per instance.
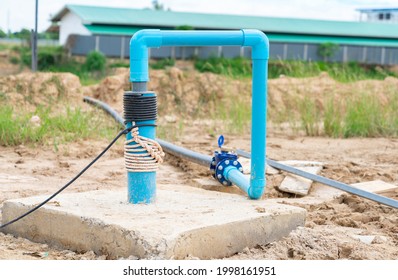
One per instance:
(377, 186)
(246, 165)
(297, 184)
(212, 184)
(184, 221)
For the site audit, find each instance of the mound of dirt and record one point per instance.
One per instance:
(189, 93)
(34, 89)
(186, 93)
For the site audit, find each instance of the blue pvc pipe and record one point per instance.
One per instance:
(141, 186)
(237, 178)
(144, 39)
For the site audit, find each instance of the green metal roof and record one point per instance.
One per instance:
(112, 29)
(126, 20)
(380, 42)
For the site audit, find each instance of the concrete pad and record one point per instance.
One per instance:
(184, 221)
(377, 186)
(297, 184)
(212, 184)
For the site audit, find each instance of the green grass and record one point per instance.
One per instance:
(234, 67)
(236, 117)
(54, 59)
(359, 116)
(309, 116)
(343, 72)
(73, 124)
(162, 63)
(171, 131)
(4, 47)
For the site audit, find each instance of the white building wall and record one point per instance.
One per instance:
(71, 24)
(374, 17)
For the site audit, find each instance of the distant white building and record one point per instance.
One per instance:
(382, 15)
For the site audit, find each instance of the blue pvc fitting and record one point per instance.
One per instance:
(259, 43)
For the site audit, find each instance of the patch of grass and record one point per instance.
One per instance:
(332, 121)
(170, 131)
(16, 129)
(310, 117)
(4, 47)
(232, 67)
(162, 63)
(364, 117)
(343, 72)
(236, 116)
(14, 60)
(358, 116)
(119, 64)
(95, 61)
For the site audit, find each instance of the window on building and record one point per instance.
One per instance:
(388, 16)
(381, 16)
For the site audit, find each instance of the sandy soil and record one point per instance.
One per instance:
(336, 222)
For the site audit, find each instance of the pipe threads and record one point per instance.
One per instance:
(139, 106)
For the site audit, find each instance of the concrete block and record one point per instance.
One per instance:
(246, 164)
(377, 186)
(299, 185)
(184, 221)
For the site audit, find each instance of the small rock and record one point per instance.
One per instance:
(345, 249)
(35, 121)
(63, 164)
(379, 240)
(367, 239)
(170, 118)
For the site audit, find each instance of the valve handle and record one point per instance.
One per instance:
(220, 141)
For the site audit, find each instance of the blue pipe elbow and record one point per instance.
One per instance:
(256, 192)
(139, 44)
(258, 41)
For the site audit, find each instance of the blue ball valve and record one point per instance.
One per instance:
(221, 160)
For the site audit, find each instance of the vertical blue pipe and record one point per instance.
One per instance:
(260, 54)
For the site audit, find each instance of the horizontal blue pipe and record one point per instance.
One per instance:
(237, 178)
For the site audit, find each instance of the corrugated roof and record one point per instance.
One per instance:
(291, 38)
(377, 9)
(92, 15)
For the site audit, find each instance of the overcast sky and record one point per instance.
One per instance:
(16, 14)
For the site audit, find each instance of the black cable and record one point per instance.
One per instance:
(125, 131)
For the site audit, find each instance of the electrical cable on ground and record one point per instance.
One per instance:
(125, 131)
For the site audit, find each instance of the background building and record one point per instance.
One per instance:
(382, 15)
(86, 28)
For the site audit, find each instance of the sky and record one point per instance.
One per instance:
(18, 14)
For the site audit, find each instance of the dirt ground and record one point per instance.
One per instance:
(338, 225)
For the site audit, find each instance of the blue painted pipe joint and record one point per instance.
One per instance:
(220, 161)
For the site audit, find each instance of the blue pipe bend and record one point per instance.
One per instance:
(258, 41)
